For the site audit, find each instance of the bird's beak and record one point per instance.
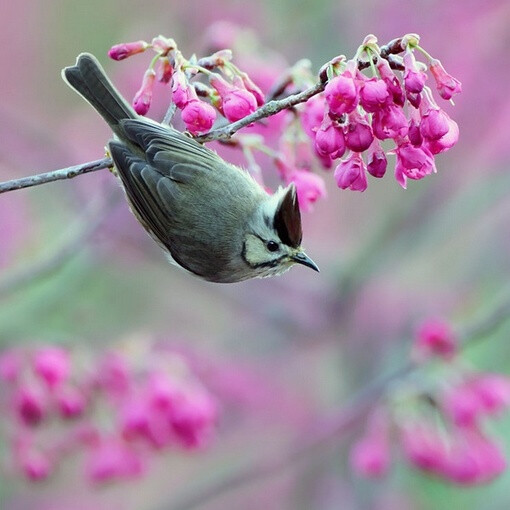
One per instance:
(303, 258)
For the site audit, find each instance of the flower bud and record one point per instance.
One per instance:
(391, 80)
(445, 142)
(374, 95)
(143, 98)
(350, 173)
(254, 89)
(31, 404)
(237, 103)
(358, 134)
(376, 160)
(341, 94)
(163, 44)
(414, 78)
(446, 84)
(198, 116)
(164, 71)
(390, 122)
(414, 133)
(71, 402)
(417, 162)
(329, 138)
(181, 91)
(52, 365)
(125, 50)
(436, 338)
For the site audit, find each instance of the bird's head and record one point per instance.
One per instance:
(272, 244)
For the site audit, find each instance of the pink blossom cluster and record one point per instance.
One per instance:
(442, 432)
(119, 408)
(355, 114)
(232, 93)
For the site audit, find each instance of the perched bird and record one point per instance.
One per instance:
(209, 216)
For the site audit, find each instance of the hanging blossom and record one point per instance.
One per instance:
(119, 408)
(373, 108)
(440, 428)
(393, 104)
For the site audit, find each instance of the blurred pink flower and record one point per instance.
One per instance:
(52, 365)
(11, 361)
(71, 401)
(436, 337)
(310, 187)
(313, 114)
(30, 403)
(35, 464)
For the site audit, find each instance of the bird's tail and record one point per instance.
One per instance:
(88, 78)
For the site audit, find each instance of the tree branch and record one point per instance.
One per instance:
(220, 134)
(55, 175)
(329, 427)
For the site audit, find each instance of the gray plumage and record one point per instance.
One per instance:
(206, 213)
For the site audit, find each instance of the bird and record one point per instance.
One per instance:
(210, 217)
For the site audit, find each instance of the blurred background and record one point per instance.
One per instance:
(276, 353)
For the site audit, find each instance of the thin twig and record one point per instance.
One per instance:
(267, 110)
(55, 175)
(329, 427)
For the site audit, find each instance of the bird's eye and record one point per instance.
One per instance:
(272, 246)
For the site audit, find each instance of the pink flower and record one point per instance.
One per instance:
(462, 404)
(413, 162)
(71, 402)
(313, 114)
(329, 138)
(374, 95)
(253, 89)
(52, 365)
(414, 98)
(414, 78)
(390, 122)
(446, 84)
(143, 98)
(370, 456)
(198, 116)
(376, 160)
(31, 404)
(391, 80)
(447, 141)
(113, 459)
(236, 102)
(436, 338)
(424, 447)
(358, 134)
(350, 173)
(114, 375)
(193, 419)
(309, 186)
(474, 458)
(124, 50)
(35, 464)
(10, 365)
(163, 45)
(341, 94)
(434, 121)
(493, 390)
(414, 133)
(181, 91)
